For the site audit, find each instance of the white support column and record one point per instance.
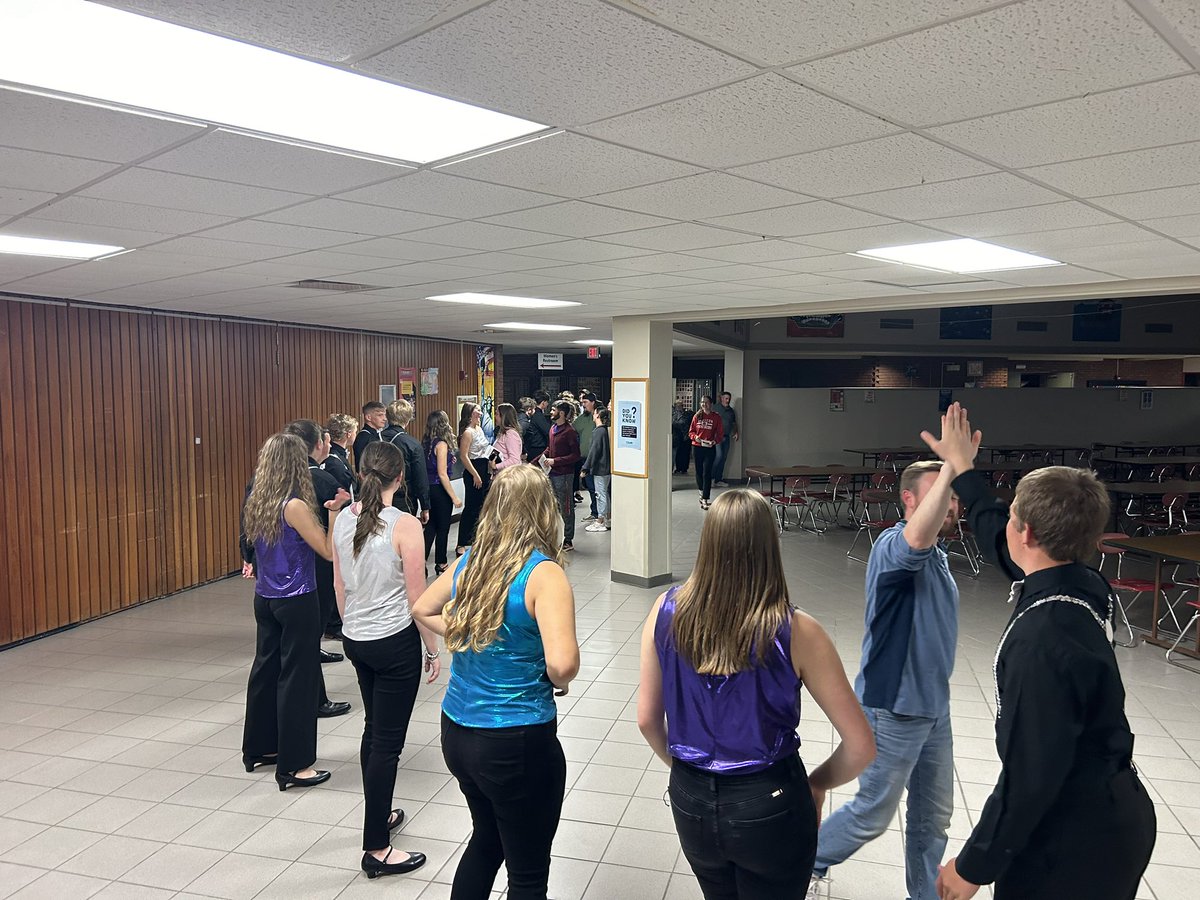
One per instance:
(735, 383)
(641, 531)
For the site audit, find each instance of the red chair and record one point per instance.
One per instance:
(880, 511)
(1170, 515)
(829, 502)
(887, 460)
(1003, 478)
(795, 496)
(1122, 584)
(884, 481)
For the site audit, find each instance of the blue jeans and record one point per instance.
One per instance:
(912, 752)
(719, 461)
(600, 494)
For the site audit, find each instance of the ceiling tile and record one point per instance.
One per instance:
(1120, 173)
(781, 31)
(517, 56)
(908, 276)
(1052, 275)
(878, 236)
(324, 30)
(400, 249)
(230, 251)
(664, 262)
(1176, 226)
(790, 281)
(1015, 56)
(479, 236)
(896, 161)
(577, 219)
(356, 218)
(446, 195)
(582, 272)
(49, 125)
(699, 196)
(92, 211)
(1182, 16)
(1050, 242)
(570, 165)
(581, 251)
(14, 201)
(685, 236)
(1173, 201)
(1046, 217)
(755, 119)
(1099, 257)
(412, 274)
(255, 231)
(735, 272)
(499, 261)
(36, 226)
(982, 193)
(44, 171)
(769, 252)
(224, 156)
(651, 280)
(168, 190)
(800, 219)
(1144, 116)
(1162, 267)
(19, 268)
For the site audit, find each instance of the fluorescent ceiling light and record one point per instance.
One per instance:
(532, 326)
(960, 256)
(594, 343)
(502, 300)
(27, 246)
(96, 52)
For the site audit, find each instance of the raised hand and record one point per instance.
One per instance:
(958, 445)
(340, 500)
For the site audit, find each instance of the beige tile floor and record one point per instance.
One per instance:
(119, 753)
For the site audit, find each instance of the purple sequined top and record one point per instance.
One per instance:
(286, 568)
(431, 462)
(737, 724)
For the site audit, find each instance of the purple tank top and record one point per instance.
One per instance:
(739, 723)
(286, 568)
(431, 462)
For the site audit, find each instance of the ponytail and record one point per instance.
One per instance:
(382, 464)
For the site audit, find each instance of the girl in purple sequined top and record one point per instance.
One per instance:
(723, 658)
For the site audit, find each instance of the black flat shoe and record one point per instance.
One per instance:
(253, 762)
(331, 709)
(374, 867)
(327, 657)
(399, 814)
(285, 780)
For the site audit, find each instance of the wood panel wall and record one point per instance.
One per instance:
(126, 439)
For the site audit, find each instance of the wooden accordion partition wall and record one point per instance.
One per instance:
(126, 440)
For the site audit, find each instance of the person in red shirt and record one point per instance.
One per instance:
(705, 432)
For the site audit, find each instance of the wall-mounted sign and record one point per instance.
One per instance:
(837, 401)
(429, 382)
(1147, 399)
(550, 361)
(833, 326)
(407, 376)
(629, 440)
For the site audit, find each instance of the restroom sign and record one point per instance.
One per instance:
(550, 361)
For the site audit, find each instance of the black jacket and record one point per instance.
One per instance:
(366, 434)
(536, 438)
(337, 464)
(1061, 729)
(415, 494)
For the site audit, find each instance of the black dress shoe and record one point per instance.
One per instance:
(284, 780)
(374, 867)
(253, 762)
(399, 820)
(327, 657)
(331, 709)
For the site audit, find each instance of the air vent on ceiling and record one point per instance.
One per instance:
(1159, 328)
(340, 287)
(896, 323)
(1031, 325)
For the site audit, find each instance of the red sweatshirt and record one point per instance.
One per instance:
(706, 427)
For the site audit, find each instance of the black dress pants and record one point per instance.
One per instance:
(747, 837)
(514, 780)
(281, 696)
(389, 673)
(437, 529)
(326, 599)
(705, 456)
(683, 452)
(473, 502)
(1097, 847)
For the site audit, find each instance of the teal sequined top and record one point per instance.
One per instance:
(505, 684)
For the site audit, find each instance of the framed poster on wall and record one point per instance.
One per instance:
(630, 453)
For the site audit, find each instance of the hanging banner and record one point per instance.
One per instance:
(485, 365)
(429, 382)
(407, 378)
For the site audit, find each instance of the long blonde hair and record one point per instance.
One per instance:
(281, 474)
(518, 517)
(736, 598)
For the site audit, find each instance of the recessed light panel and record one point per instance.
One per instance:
(959, 256)
(502, 300)
(27, 246)
(85, 50)
(595, 342)
(533, 326)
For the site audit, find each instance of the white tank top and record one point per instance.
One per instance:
(479, 447)
(376, 593)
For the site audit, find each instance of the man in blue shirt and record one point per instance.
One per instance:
(904, 686)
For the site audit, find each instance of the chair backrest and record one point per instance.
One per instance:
(796, 485)
(1105, 548)
(883, 480)
(1174, 501)
(1162, 473)
(1004, 478)
(839, 480)
(1193, 471)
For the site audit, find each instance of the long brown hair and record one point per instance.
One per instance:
(519, 516)
(437, 428)
(281, 474)
(506, 419)
(382, 464)
(736, 598)
(464, 417)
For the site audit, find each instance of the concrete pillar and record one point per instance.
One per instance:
(735, 383)
(641, 531)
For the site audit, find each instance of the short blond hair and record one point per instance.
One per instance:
(1067, 510)
(400, 412)
(340, 425)
(914, 472)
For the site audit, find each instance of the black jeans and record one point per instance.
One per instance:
(437, 529)
(747, 837)
(473, 502)
(683, 451)
(513, 779)
(705, 456)
(389, 673)
(281, 696)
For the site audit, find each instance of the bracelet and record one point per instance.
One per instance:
(434, 655)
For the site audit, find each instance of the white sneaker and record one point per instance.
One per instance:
(818, 888)
(596, 526)
(720, 484)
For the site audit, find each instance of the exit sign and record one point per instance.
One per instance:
(593, 352)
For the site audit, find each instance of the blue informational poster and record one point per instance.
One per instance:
(629, 425)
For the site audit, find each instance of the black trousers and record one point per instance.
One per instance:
(683, 451)
(473, 502)
(747, 837)
(281, 696)
(325, 594)
(437, 529)
(705, 456)
(389, 673)
(1097, 847)
(513, 779)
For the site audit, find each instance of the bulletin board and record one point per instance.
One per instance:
(630, 453)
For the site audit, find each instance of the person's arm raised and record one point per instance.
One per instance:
(551, 602)
(818, 665)
(925, 524)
